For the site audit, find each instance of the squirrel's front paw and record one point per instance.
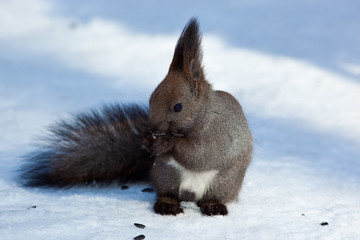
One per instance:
(147, 142)
(163, 145)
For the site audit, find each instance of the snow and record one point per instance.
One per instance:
(293, 66)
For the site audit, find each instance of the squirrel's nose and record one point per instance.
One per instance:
(153, 129)
(159, 129)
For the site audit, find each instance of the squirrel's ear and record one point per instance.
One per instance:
(188, 56)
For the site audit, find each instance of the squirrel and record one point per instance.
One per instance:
(193, 143)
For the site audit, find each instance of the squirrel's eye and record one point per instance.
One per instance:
(177, 107)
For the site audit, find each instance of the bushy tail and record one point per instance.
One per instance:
(100, 146)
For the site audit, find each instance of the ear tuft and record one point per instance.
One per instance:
(188, 50)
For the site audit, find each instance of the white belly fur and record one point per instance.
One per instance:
(196, 182)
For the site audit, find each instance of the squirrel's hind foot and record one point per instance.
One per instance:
(212, 208)
(167, 206)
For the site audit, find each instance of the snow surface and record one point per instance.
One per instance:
(293, 65)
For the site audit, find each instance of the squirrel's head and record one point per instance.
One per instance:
(179, 102)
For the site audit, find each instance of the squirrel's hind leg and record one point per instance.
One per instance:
(166, 180)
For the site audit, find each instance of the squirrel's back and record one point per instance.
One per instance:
(103, 145)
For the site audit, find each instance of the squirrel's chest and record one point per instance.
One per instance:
(194, 182)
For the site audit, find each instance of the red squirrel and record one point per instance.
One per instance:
(193, 143)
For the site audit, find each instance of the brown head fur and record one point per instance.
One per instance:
(184, 86)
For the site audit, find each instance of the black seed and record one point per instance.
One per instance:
(31, 207)
(303, 214)
(324, 223)
(148, 190)
(124, 187)
(139, 225)
(140, 237)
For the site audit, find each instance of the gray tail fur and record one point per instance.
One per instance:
(103, 146)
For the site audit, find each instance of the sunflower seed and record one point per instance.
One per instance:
(140, 237)
(139, 225)
(148, 190)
